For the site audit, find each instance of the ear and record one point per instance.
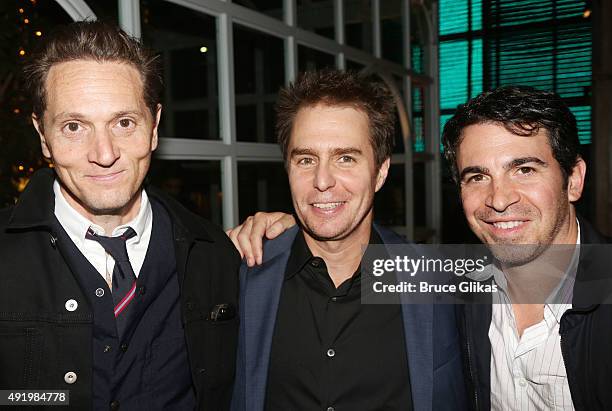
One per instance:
(575, 181)
(383, 171)
(38, 125)
(154, 139)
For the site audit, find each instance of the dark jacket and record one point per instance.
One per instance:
(432, 344)
(41, 340)
(586, 334)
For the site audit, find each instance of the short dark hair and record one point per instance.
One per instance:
(340, 88)
(523, 111)
(91, 40)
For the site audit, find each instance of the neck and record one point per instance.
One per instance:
(343, 256)
(108, 220)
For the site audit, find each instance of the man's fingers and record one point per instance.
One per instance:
(244, 242)
(232, 233)
(261, 221)
(280, 226)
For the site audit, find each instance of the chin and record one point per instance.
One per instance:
(107, 206)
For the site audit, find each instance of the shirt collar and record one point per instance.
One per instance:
(77, 225)
(301, 254)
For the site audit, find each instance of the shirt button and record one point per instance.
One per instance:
(124, 347)
(331, 352)
(142, 289)
(99, 292)
(330, 409)
(114, 405)
(315, 262)
(107, 348)
(71, 305)
(334, 299)
(70, 377)
(522, 382)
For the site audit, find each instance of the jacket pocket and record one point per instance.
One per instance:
(20, 357)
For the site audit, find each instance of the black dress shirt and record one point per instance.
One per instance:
(330, 352)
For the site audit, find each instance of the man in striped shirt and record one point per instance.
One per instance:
(542, 344)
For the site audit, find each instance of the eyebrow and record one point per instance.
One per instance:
(334, 152)
(74, 114)
(517, 162)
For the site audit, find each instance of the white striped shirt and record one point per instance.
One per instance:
(528, 373)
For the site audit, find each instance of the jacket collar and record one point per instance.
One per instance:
(593, 281)
(36, 204)
(187, 225)
(35, 208)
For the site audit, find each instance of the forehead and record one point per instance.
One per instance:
(491, 143)
(330, 126)
(87, 85)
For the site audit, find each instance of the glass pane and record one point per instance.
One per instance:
(187, 42)
(355, 66)
(358, 24)
(453, 16)
(391, 31)
(262, 187)
(195, 184)
(316, 16)
(453, 73)
(272, 8)
(24, 24)
(311, 59)
(259, 74)
(418, 131)
(390, 201)
(104, 10)
(399, 141)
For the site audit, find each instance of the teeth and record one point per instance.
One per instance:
(507, 224)
(327, 206)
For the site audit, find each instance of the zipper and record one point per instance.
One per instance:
(469, 359)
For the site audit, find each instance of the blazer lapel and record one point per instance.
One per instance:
(261, 291)
(418, 335)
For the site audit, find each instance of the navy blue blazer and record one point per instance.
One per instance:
(431, 336)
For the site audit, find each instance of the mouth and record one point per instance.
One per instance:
(328, 207)
(107, 177)
(507, 225)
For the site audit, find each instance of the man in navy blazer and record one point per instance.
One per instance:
(306, 339)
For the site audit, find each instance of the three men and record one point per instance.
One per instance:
(306, 339)
(110, 290)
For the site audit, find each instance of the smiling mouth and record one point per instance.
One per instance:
(105, 177)
(328, 206)
(507, 225)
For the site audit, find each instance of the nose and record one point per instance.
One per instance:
(103, 150)
(501, 195)
(324, 178)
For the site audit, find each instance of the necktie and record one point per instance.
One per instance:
(124, 279)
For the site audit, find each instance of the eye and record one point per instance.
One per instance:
(346, 159)
(305, 161)
(72, 127)
(525, 170)
(125, 122)
(475, 178)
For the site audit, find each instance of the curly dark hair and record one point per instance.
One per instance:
(91, 40)
(340, 88)
(523, 111)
